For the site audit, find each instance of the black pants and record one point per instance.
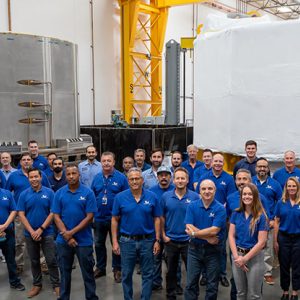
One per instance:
(289, 257)
(173, 252)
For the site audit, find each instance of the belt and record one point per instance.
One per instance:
(291, 235)
(137, 237)
(243, 250)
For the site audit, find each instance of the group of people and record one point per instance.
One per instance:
(181, 213)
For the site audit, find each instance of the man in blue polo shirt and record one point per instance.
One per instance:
(249, 162)
(106, 185)
(136, 215)
(58, 178)
(174, 204)
(74, 207)
(139, 159)
(289, 169)
(7, 168)
(17, 183)
(7, 237)
(150, 175)
(34, 208)
(225, 186)
(207, 160)
(271, 189)
(176, 160)
(164, 185)
(192, 164)
(205, 224)
(89, 168)
(39, 161)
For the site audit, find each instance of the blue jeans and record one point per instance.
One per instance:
(203, 256)
(130, 249)
(86, 262)
(8, 249)
(101, 230)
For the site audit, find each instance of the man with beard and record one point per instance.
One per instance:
(271, 189)
(17, 183)
(176, 160)
(139, 159)
(89, 168)
(50, 157)
(58, 178)
(150, 175)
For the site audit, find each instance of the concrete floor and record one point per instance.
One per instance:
(108, 290)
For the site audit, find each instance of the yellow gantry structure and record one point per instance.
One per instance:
(143, 27)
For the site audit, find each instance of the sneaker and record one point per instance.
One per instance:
(19, 287)
(269, 279)
(203, 281)
(224, 281)
(285, 297)
(179, 290)
(99, 273)
(156, 287)
(2, 259)
(117, 276)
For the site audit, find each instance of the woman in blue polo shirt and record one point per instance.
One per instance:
(287, 237)
(247, 237)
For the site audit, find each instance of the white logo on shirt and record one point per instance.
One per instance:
(211, 215)
(82, 198)
(4, 198)
(115, 183)
(187, 201)
(269, 187)
(44, 197)
(147, 202)
(223, 182)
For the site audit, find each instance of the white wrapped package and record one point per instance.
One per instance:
(247, 86)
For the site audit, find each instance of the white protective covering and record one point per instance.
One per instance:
(247, 86)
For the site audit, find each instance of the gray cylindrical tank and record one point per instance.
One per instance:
(38, 89)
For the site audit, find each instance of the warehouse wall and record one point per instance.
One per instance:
(72, 20)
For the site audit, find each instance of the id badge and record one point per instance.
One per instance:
(104, 200)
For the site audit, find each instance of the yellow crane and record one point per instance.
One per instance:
(143, 27)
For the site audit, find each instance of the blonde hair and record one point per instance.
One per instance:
(285, 194)
(256, 209)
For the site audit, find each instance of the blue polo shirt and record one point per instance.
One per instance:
(57, 184)
(243, 234)
(18, 182)
(136, 217)
(41, 163)
(289, 217)
(271, 189)
(245, 164)
(158, 191)
(37, 207)
(73, 208)
(2, 180)
(200, 172)
(145, 166)
(89, 171)
(150, 178)
(105, 190)
(201, 217)
(282, 175)
(7, 205)
(191, 170)
(224, 183)
(233, 202)
(174, 211)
